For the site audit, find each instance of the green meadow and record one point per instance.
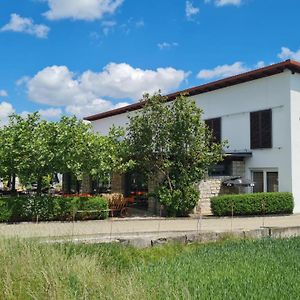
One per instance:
(264, 269)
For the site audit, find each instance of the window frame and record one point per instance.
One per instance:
(265, 177)
(210, 123)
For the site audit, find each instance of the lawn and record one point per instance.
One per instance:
(265, 269)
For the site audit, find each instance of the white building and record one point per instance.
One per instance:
(258, 112)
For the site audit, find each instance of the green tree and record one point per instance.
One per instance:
(172, 140)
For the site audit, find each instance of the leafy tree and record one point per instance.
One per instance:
(171, 139)
(34, 149)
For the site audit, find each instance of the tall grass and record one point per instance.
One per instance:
(267, 269)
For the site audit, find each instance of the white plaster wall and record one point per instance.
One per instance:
(295, 137)
(234, 105)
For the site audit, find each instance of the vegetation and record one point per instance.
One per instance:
(253, 204)
(265, 269)
(48, 208)
(170, 140)
(33, 149)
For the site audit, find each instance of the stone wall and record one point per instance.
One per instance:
(212, 187)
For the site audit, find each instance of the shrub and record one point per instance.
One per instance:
(48, 208)
(92, 208)
(253, 204)
(4, 211)
(178, 202)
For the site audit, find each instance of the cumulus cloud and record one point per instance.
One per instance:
(286, 53)
(50, 113)
(84, 93)
(221, 3)
(81, 9)
(93, 107)
(223, 71)
(3, 93)
(190, 10)
(166, 45)
(6, 109)
(25, 25)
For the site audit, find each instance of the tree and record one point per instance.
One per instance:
(33, 149)
(171, 139)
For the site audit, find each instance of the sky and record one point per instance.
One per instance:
(82, 57)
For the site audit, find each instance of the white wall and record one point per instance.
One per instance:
(234, 105)
(295, 137)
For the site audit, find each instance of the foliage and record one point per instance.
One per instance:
(34, 149)
(171, 139)
(253, 204)
(264, 269)
(178, 201)
(47, 208)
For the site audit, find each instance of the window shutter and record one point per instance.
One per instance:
(266, 129)
(261, 129)
(254, 125)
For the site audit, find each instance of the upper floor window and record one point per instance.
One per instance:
(215, 126)
(261, 129)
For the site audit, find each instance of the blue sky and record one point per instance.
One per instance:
(86, 56)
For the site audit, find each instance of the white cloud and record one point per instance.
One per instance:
(50, 113)
(221, 3)
(83, 93)
(260, 64)
(25, 25)
(93, 107)
(223, 71)
(286, 53)
(166, 45)
(81, 9)
(22, 80)
(6, 109)
(190, 10)
(108, 26)
(3, 93)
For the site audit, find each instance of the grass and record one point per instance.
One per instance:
(266, 269)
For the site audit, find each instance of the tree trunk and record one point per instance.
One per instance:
(86, 186)
(66, 186)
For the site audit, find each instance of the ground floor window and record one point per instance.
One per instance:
(265, 181)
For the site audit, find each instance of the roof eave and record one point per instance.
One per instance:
(271, 70)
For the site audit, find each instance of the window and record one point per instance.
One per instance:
(272, 182)
(265, 181)
(261, 129)
(258, 178)
(215, 126)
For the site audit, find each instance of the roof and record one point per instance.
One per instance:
(274, 69)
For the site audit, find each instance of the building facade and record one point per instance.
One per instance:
(258, 113)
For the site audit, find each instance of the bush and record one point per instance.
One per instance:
(48, 208)
(178, 202)
(253, 204)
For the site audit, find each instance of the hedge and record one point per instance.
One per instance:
(49, 208)
(253, 204)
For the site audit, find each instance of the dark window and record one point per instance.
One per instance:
(258, 178)
(215, 126)
(223, 168)
(272, 181)
(261, 129)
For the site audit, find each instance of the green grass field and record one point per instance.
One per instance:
(267, 269)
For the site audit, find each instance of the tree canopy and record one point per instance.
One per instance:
(31, 148)
(171, 139)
